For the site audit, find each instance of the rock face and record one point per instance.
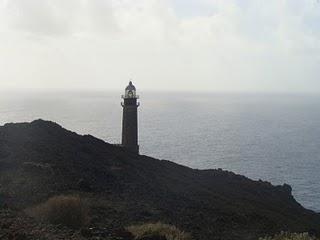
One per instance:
(39, 160)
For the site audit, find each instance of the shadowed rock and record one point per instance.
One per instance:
(41, 159)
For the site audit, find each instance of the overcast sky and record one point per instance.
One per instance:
(211, 45)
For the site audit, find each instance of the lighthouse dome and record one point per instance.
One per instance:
(130, 87)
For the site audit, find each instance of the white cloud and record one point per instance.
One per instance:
(249, 45)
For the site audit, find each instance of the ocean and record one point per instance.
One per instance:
(273, 137)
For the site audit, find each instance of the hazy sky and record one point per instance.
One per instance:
(212, 45)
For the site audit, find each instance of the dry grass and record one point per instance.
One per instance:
(290, 236)
(68, 211)
(169, 232)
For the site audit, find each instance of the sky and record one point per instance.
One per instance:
(176, 45)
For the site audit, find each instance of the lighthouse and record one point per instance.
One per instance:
(130, 106)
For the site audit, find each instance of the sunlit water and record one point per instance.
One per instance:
(272, 137)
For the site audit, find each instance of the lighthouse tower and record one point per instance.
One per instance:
(130, 119)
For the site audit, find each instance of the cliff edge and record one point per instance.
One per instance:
(41, 159)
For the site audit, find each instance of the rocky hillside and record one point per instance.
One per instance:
(39, 160)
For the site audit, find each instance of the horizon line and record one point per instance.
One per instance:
(92, 90)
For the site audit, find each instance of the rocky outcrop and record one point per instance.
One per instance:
(39, 160)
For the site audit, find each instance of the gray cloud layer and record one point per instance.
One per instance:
(249, 45)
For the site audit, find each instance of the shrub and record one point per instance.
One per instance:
(158, 231)
(69, 211)
(290, 236)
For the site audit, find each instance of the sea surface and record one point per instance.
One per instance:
(273, 137)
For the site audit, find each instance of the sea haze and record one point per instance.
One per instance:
(273, 137)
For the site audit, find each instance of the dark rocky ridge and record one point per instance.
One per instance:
(41, 159)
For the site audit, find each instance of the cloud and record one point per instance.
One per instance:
(249, 45)
(41, 17)
(57, 17)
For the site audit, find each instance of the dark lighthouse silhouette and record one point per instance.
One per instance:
(130, 119)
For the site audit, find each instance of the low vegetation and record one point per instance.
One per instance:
(158, 231)
(68, 211)
(290, 236)
(41, 158)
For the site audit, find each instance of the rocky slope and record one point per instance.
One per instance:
(41, 159)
